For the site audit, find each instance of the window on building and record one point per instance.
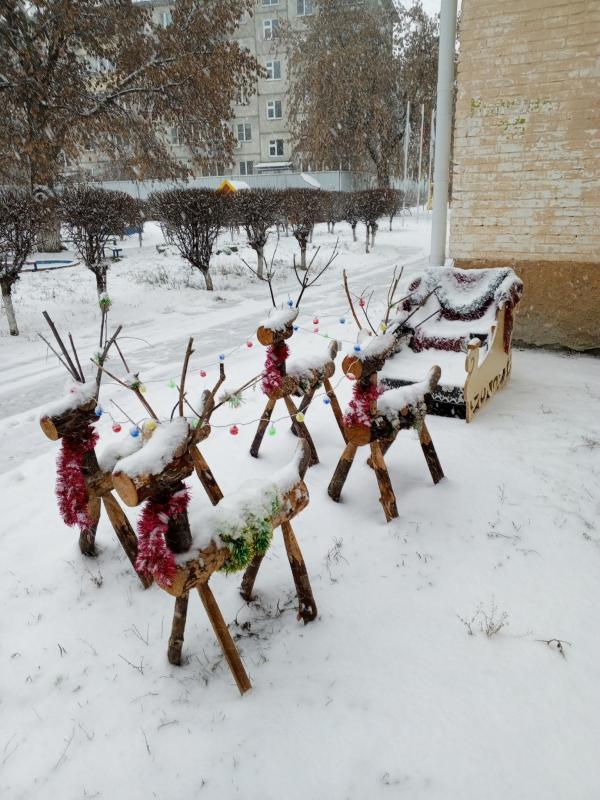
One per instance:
(274, 109)
(273, 70)
(304, 8)
(270, 2)
(166, 19)
(276, 147)
(246, 167)
(177, 136)
(244, 132)
(270, 28)
(241, 98)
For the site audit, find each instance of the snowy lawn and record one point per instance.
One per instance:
(431, 670)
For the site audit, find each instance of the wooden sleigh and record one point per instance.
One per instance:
(195, 572)
(300, 377)
(388, 414)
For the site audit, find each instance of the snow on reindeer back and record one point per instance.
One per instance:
(108, 456)
(393, 401)
(280, 318)
(254, 499)
(377, 346)
(78, 394)
(158, 451)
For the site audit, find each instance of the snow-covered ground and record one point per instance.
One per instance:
(386, 694)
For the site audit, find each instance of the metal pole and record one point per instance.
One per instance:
(443, 133)
(420, 159)
(431, 149)
(406, 143)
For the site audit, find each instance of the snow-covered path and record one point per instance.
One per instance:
(386, 694)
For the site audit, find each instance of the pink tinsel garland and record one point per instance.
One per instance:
(359, 412)
(71, 490)
(271, 377)
(154, 557)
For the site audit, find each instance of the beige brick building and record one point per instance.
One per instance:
(526, 182)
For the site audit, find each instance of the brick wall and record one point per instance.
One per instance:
(526, 185)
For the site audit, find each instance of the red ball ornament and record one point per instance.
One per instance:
(202, 373)
(234, 430)
(361, 303)
(116, 428)
(249, 344)
(316, 330)
(316, 321)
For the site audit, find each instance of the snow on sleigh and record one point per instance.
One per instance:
(456, 313)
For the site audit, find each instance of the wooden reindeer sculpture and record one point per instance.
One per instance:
(376, 418)
(82, 485)
(181, 556)
(201, 467)
(283, 378)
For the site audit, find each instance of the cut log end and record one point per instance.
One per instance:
(126, 489)
(351, 365)
(49, 428)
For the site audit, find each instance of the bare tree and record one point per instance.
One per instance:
(371, 205)
(93, 216)
(352, 110)
(351, 215)
(193, 218)
(79, 74)
(334, 208)
(257, 210)
(20, 218)
(303, 209)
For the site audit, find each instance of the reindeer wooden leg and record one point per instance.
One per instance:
(125, 533)
(178, 629)
(335, 407)
(307, 608)
(433, 462)
(387, 499)
(222, 633)
(262, 427)
(207, 479)
(302, 430)
(87, 537)
(306, 401)
(384, 445)
(341, 472)
(247, 587)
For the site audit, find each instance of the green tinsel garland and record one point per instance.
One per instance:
(252, 539)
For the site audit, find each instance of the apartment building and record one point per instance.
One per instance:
(260, 122)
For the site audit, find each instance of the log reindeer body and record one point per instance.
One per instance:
(70, 420)
(375, 419)
(157, 476)
(284, 377)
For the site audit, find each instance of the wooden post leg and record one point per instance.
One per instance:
(87, 537)
(222, 633)
(387, 499)
(384, 445)
(307, 608)
(306, 401)
(302, 430)
(249, 578)
(335, 407)
(341, 472)
(207, 479)
(262, 427)
(125, 533)
(433, 462)
(178, 629)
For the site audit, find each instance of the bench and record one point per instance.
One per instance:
(465, 324)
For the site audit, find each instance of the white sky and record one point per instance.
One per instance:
(431, 6)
